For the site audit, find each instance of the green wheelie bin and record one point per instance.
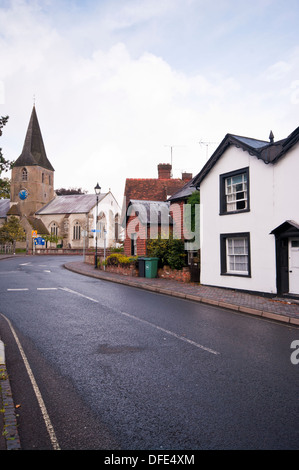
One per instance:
(151, 267)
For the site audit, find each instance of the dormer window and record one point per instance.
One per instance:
(24, 174)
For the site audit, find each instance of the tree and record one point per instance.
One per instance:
(4, 188)
(70, 191)
(12, 232)
(5, 165)
(193, 200)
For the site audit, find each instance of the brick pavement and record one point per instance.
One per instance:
(285, 310)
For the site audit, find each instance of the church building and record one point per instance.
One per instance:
(77, 221)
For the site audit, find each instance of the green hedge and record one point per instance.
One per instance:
(170, 252)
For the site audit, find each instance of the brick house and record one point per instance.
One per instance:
(177, 202)
(143, 207)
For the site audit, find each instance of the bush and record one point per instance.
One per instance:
(119, 249)
(169, 251)
(118, 259)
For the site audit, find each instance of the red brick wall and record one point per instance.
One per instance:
(177, 214)
(134, 226)
(143, 233)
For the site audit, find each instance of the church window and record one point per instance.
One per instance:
(54, 229)
(77, 231)
(43, 177)
(24, 174)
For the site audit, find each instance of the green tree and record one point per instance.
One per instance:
(12, 232)
(5, 165)
(69, 191)
(51, 238)
(193, 200)
(4, 188)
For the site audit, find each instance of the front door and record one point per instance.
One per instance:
(294, 265)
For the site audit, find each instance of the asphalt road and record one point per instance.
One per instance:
(121, 368)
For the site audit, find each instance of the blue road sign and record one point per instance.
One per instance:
(39, 241)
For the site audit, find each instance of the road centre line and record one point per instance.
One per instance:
(171, 333)
(47, 288)
(13, 290)
(37, 392)
(78, 293)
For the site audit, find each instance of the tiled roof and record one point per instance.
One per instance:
(151, 189)
(14, 210)
(71, 204)
(38, 225)
(4, 207)
(151, 211)
(184, 192)
(34, 152)
(269, 152)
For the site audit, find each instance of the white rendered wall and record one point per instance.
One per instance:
(274, 197)
(109, 207)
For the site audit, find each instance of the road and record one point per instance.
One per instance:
(122, 368)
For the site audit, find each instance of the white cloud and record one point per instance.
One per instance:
(107, 113)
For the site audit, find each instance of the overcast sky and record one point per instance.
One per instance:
(118, 82)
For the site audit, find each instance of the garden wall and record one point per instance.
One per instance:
(181, 275)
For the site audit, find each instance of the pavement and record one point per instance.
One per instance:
(285, 310)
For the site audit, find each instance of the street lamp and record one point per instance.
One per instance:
(97, 190)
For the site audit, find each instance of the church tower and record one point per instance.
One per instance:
(32, 177)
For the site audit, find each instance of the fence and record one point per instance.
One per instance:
(6, 249)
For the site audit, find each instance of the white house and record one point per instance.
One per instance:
(249, 196)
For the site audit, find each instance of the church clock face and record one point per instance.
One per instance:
(23, 194)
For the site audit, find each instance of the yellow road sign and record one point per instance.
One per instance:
(34, 233)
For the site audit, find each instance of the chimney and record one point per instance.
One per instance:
(186, 176)
(271, 137)
(164, 171)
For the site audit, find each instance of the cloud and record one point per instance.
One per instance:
(107, 112)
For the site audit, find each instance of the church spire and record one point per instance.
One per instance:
(34, 152)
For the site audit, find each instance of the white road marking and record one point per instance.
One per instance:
(171, 333)
(24, 264)
(46, 271)
(38, 395)
(14, 290)
(47, 288)
(78, 293)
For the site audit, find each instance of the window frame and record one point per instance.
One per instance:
(54, 229)
(24, 174)
(134, 244)
(224, 255)
(222, 184)
(77, 231)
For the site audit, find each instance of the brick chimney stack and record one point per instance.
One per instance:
(186, 176)
(164, 171)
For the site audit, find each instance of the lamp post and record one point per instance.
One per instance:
(97, 190)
